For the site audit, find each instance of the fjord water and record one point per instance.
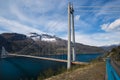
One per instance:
(79, 57)
(16, 68)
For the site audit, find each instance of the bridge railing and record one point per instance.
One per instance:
(111, 71)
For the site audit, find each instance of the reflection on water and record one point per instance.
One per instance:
(21, 68)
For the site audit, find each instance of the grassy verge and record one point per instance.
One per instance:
(94, 71)
(50, 72)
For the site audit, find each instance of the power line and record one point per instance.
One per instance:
(96, 11)
(58, 19)
(97, 6)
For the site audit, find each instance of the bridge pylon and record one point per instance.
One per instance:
(70, 26)
(3, 53)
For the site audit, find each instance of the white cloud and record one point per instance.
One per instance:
(105, 26)
(14, 26)
(18, 14)
(98, 39)
(114, 26)
(40, 7)
(82, 25)
(77, 17)
(56, 26)
(51, 23)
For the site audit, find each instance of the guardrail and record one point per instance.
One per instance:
(111, 73)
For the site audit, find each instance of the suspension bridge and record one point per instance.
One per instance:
(5, 54)
(71, 44)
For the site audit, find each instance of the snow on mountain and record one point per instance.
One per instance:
(42, 37)
(48, 39)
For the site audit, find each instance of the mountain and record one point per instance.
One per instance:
(40, 44)
(114, 53)
(110, 47)
(14, 42)
(4, 42)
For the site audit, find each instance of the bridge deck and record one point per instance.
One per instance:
(52, 59)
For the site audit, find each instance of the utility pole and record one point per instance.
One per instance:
(69, 37)
(70, 19)
(73, 35)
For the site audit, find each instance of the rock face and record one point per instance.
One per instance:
(22, 44)
(14, 36)
(4, 42)
(115, 53)
(13, 42)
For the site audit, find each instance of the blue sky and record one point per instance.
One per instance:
(97, 22)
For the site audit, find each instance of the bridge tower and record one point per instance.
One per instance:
(3, 53)
(70, 26)
(73, 34)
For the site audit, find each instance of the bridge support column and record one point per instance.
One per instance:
(69, 37)
(3, 53)
(73, 35)
(70, 18)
